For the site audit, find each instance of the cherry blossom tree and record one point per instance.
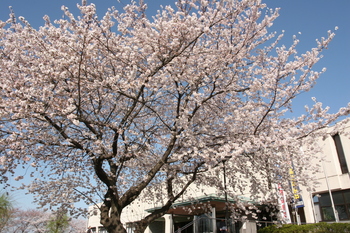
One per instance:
(28, 221)
(32, 220)
(128, 105)
(76, 226)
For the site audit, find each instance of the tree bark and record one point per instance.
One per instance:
(140, 227)
(116, 228)
(110, 217)
(113, 224)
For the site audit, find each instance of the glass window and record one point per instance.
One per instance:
(327, 213)
(325, 200)
(340, 152)
(338, 198)
(341, 209)
(347, 196)
(341, 201)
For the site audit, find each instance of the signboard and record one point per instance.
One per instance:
(298, 200)
(282, 202)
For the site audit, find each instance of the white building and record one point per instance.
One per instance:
(333, 177)
(208, 214)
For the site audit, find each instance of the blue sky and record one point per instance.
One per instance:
(312, 18)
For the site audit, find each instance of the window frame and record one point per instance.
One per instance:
(325, 205)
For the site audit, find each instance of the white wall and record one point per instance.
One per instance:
(330, 170)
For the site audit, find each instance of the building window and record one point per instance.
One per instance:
(341, 201)
(340, 152)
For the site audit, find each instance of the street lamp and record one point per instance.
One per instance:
(227, 222)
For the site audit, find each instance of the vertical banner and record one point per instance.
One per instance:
(298, 200)
(282, 202)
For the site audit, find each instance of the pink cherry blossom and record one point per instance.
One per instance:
(128, 105)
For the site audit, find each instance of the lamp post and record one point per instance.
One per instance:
(227, 222)
(336, 216)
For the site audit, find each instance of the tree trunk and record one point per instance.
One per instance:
(140, 226)
(113, 225)
(116, 228)
(110, 220)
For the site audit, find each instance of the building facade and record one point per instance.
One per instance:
(209, 214)
(329, 201)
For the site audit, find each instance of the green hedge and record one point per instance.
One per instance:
(309, 228)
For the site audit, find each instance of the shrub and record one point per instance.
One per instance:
(309, 228)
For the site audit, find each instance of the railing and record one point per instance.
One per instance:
(189, 224)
